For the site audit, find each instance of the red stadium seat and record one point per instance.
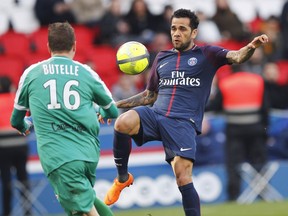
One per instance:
(6, 107)
(35, 58)
(39, 40)
(81, 57)
(224, 71)
(12, 67)
(103, 59)
(231, 44)
(15, 44)
(110, 80)
(84, 38)
(283, 69)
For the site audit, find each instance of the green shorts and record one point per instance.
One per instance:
(73, 185)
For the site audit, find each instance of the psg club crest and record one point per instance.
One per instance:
(192, 61)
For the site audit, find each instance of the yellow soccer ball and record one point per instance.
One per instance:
(132, 58)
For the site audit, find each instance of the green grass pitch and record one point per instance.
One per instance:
(226, 209)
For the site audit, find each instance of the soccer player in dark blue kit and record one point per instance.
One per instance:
(178, 89)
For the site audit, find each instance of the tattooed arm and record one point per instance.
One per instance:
(243, 54)
(144, 98)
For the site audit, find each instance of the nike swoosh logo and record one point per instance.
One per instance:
(163, 65)
(192, 120)
(185, 149)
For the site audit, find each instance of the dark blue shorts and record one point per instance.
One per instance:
(177, 135)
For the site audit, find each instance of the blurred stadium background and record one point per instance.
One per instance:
(156, 189)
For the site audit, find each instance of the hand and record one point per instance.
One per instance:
(258, 41)
(27, 132)
(29, 121)
(109, 121)
(102, 121)
(100, 118)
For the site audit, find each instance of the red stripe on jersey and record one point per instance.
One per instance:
(174, 87)
(178, 61)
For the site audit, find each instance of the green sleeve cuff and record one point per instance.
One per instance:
(17, 120)
(112, 112)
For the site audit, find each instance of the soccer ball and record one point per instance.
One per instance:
(132, 58)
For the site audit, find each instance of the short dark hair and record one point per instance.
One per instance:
(185, 13)
(61, 36)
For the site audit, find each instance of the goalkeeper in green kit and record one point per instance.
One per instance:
(61, 95)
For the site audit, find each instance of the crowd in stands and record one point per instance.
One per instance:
(102, 26)
(102, 23)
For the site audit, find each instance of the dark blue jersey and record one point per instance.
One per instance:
(183, 81)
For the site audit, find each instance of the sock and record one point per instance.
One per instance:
(102, 209)
(190, 199)
(121, 151)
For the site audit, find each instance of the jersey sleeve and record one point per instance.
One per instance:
(216, 55)
(103, 97)
(22, 95)
(17, 120)
(153, 79)
(21, 105)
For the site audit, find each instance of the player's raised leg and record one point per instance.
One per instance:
(126, 125)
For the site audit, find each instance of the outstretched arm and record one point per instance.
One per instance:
(144, 98)
(243, 54)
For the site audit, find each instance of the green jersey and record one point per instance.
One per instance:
(61, 94)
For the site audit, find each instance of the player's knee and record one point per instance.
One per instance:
(183, 179)
(183, 170)
(126, 123)
(120, 125)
